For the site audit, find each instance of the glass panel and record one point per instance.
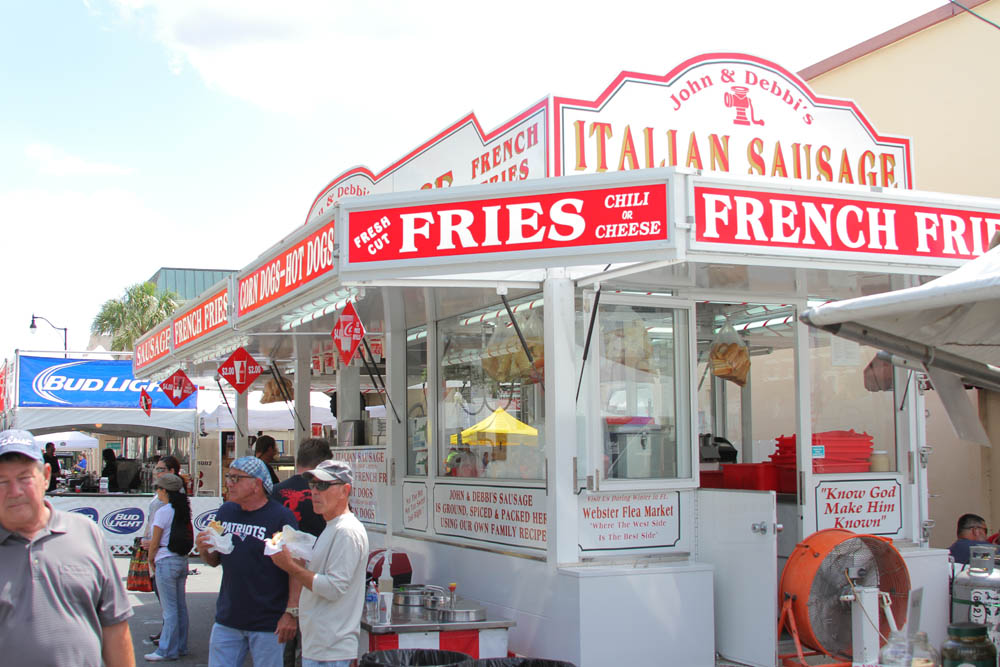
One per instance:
(641, 384)
(741, 424)
(852, 406)
(417, 422)
(492, 404)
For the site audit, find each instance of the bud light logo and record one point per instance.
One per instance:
(124, 521)
(88, 512)
(202, 520)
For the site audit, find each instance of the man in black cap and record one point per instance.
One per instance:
(333, 582)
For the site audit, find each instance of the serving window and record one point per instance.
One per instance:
(491, 393)
(639, 385)
(417, 423)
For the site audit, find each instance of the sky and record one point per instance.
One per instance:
(138, 134)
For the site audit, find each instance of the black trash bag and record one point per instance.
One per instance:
(415, 657)
(516, 662)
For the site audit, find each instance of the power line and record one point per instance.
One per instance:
(978, 16)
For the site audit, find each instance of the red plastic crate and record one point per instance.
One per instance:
(711, 479)
(757, 476)
(787, 482)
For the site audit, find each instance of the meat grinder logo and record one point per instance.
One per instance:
(124, 521)
(88, 512)
(202, 520)
(737, 98)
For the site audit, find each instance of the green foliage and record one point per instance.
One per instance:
(128, 318)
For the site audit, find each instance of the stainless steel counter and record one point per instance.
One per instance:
(416, 619)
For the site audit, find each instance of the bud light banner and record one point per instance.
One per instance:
(87, 383)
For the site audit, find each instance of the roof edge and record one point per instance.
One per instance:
(888, 37)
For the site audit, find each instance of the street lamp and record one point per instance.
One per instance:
(34, 328)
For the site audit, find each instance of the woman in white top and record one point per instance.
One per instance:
(172, 540)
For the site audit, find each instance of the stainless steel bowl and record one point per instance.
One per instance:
(464, 611)
(409, 595)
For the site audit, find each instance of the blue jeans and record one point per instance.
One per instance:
(306, 662)
(171, 579)
(229, 646)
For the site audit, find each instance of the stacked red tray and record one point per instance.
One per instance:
(844, 451)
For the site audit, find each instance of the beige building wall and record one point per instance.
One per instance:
(934, 80)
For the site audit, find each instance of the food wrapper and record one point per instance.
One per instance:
(298, 542)
(222, 544)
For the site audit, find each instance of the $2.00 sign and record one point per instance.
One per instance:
(240, 369)
(347, 333)
(178, 387)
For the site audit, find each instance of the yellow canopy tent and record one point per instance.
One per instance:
(499, 428)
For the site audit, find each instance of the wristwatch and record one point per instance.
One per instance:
(292, 611)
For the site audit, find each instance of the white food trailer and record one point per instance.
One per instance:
(630, 238)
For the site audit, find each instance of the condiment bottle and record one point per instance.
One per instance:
(968, 646)
(924, 655)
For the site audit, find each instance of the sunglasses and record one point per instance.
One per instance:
(233, 479)
(317, 485)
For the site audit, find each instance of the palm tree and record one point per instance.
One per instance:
(128, 318)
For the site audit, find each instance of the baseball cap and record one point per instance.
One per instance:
(169, 482)
(331, 471)
(254, 467)
(16, 441)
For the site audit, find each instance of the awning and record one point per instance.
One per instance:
(499, 428)
(68, 440)
(948, 324)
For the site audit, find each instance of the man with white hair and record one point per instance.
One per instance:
(62, 601)
(333, 582)
(257, 605)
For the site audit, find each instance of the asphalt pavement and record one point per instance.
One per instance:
(202, 590)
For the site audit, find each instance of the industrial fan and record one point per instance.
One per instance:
(831, 590)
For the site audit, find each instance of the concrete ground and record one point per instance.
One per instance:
(202, 590)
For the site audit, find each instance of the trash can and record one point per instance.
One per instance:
(516, 662)
(417, 657)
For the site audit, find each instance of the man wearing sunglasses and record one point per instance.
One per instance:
(333, 581)
(971, 530)
(257, 604)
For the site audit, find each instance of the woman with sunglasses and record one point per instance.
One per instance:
(173, 538)
(167, 464)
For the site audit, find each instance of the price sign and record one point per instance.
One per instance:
(347, 333)
(145, 401)
(178, 387)
(240, 369)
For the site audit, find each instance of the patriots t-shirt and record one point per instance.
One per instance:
(254, 590)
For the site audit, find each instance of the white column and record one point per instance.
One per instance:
(560, 418)
(348, 403)
(395, 382)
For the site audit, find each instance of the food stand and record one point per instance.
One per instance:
(589, 283)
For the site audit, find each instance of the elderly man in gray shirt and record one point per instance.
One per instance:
(62, 601)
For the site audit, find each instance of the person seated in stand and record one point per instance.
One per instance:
(971, 531)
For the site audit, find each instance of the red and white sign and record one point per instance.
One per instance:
(511, 516)
(201, 319)
(240, 369)
(462, 154)
(729, 113)
(152, 346)
(145, 401)
(627, 520)
(178, 387)
(3, 388)
(347, 333)
(868, 507)
(765, 221)
(288, 271)
(370, 490)
(415, 506)
(573, 219)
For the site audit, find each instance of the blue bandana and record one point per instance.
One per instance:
(252, 465)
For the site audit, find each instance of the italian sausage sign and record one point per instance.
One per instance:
(577, 221)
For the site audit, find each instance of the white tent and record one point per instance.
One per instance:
(68, 440)
(214, 415)
(948, 324)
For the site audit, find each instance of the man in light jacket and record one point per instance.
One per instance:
(333, 582)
